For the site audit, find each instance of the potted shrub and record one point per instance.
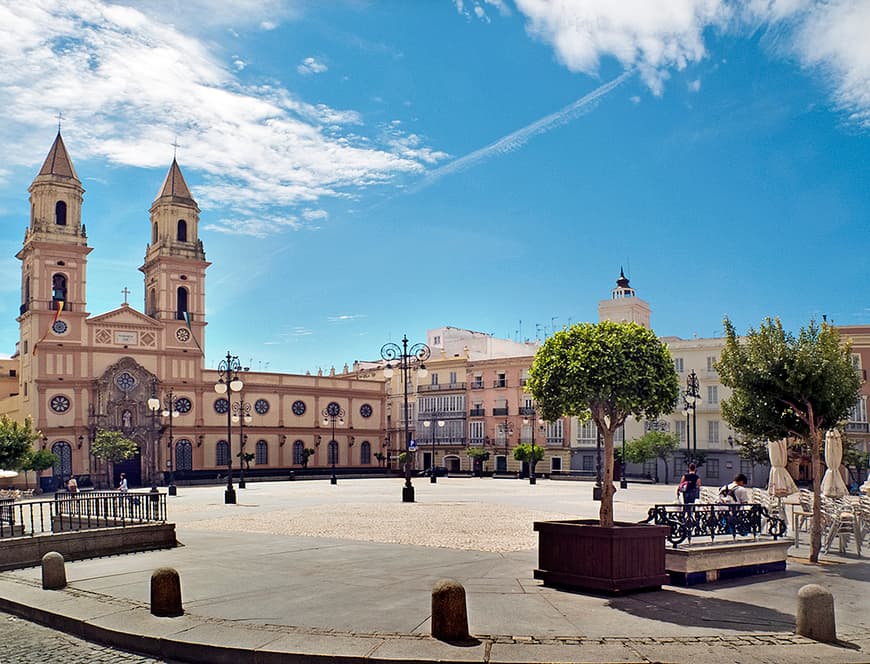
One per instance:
(604, 371)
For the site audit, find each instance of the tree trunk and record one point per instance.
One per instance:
(605, 512)
(665, 463)
(816, 523)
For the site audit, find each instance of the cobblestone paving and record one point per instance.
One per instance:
(28, 643)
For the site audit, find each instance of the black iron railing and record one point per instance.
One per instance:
(81, 511)
(711, 520)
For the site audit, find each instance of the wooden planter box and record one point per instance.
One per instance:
(581, 555)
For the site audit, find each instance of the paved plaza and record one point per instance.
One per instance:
(299, 569)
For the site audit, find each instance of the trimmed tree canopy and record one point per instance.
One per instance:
(607, 371)
(786, 385)
(16, 440)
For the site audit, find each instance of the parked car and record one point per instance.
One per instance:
(440, 471)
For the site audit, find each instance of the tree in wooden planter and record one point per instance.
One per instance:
(786, 385)
(605, 371)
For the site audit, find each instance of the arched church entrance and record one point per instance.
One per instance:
(132, 468)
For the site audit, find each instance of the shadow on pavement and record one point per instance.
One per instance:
(693, 611)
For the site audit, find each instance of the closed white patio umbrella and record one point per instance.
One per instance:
(833, 485)
(8, 473)
(779, 482)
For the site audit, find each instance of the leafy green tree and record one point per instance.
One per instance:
(753, 450)
(786, 385)
(606, 371)
(37, 461)
(477, 455)
(523, 452)
(112, 447)
(380, 456)
(16, 440)
(855, 460)
(246, 458)
(306, 453)
(653, 445)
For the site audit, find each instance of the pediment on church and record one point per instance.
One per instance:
(124, 316)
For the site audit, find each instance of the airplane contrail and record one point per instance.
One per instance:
(520, 137)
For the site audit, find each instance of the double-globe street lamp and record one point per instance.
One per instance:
(228, 378)
(331, 413)
(531, 415)
(168, 410)
(428, 424)
(406, 359)
(241, 414)
(692, 397)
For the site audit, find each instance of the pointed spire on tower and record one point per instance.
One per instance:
(58, 162)
(622, 282)
(174, 187)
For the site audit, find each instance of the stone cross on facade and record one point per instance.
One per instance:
(126, 292)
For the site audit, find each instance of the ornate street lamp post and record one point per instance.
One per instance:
(169, 411)
(507, 430)
(228, 377)
(530, 418)
(331, 413)
(692, 397)
(241, 414)
(406, 359)
(428, 424)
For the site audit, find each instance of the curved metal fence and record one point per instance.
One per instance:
(702, 520)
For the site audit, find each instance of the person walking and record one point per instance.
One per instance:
(122, 487)
(690, 486)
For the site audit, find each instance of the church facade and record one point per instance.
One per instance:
(79, 373)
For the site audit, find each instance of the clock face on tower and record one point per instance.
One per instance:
(182, 334)
(59, 327)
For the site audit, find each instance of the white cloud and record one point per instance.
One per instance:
(314, 215)
(694, 86)
(478, 8)
(634, 99)
(239, 64)
(835, 37)
(654, 37)
(659, 37)
(129, 85)
(311, 66)
(344, 317)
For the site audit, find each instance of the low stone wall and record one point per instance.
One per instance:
(703, 563)
(91, 543)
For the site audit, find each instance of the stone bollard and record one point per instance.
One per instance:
(449, 614)
(166, 593)
(815, 614)
(53, 571)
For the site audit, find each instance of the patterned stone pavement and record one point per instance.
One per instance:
(25, 642)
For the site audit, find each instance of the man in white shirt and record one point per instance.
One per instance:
(736, 491)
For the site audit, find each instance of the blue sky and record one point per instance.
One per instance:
(370, 169)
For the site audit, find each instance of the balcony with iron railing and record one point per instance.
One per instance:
(555, 442)
(476, 385)
(441, 388)
(527, 411)
(477, 412)
(857, 427)
(500, 411)
(500, 382)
